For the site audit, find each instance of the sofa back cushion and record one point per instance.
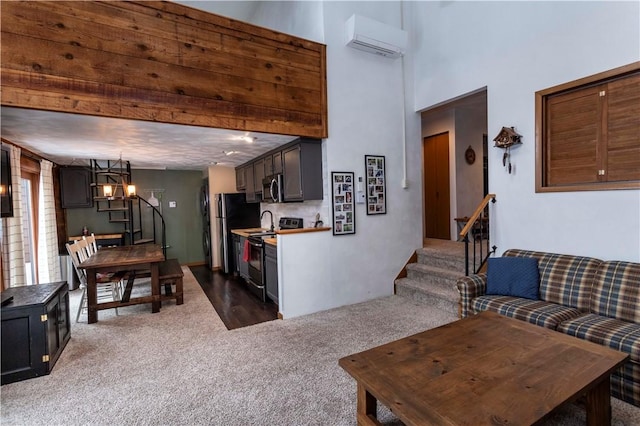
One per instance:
(564, 279)
(616, 291)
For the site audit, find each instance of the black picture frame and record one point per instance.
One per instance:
(343, 197)
(376, 184)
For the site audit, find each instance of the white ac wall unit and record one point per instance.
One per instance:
(375, 37)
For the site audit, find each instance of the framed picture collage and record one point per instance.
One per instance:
(345, 191)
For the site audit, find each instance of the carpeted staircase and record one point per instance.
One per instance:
(432, 279)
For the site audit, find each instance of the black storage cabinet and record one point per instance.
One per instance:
(75, 187)
(35, 329)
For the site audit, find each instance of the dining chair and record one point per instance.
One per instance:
(92, 246)
(108, 285)
(83, 249)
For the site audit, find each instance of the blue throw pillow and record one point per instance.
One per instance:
(513, 276)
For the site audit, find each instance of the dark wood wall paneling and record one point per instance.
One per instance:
(161, 61)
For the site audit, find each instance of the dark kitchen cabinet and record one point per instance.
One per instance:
(250, 184)
(241, 182)
(35, 329)
(237, 252)
(253, 175)
(258, 175)
(242, 267)
(299, 162)
(277, 163)
(75, 187)
(268, 165)
(271, 271)
(302, 172)
(273, 164)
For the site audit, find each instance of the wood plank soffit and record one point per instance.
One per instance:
(160, 61)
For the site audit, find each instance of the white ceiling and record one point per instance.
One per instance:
(74, 139)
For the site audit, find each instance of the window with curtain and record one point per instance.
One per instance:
(29, 238)
(30, 185)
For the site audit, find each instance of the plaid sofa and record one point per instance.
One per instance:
(584, 297)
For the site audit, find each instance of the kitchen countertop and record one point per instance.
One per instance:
(302, 230)
(245, 232)
(273, 241)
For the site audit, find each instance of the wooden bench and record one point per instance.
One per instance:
(170, 273)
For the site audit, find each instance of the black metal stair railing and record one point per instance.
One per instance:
(157, 220)
(476, 234)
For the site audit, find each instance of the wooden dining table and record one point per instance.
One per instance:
(134, 259)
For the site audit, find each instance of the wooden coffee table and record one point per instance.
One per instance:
(483, 370)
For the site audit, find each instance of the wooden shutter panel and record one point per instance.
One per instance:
(623, 129)
(572, 137)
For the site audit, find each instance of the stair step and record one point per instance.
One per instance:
(119, 220)
(110, 173)
(116, 198)
(143, 241)
(449, 292)
(114, 209)
(442, 297)
(432, 274)
(100, 184)
(445, 254)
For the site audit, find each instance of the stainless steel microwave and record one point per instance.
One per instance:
(272, 189)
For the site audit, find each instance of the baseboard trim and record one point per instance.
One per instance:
(193, 264)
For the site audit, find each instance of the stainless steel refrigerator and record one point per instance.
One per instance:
(232, 212)
(206, 222)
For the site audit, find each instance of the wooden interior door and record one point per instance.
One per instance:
(436, 187)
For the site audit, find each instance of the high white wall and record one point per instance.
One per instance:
(365, 94)
(516, 49)
(512, 48)
(365, 98)
(299, 18)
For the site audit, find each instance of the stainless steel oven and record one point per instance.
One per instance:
(257, 279)
(256, 264)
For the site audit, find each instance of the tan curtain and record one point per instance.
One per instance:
(12, 248)
(48, 257)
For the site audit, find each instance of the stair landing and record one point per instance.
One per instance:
(455, 248)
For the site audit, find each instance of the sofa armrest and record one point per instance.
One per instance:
(469, 288)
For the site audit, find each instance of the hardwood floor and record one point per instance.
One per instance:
(232, 300)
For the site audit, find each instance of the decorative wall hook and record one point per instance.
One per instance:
(506, 139)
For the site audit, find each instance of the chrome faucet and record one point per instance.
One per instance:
(270, 214)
